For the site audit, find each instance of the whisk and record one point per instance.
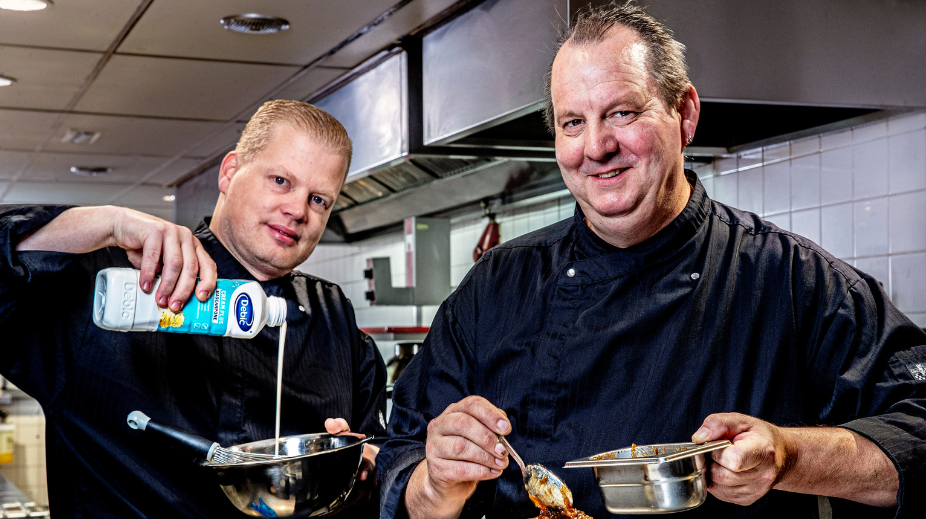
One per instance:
(200, 447)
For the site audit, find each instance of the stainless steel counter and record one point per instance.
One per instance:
(13, 503)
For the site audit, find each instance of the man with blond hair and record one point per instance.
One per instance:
(277, 189)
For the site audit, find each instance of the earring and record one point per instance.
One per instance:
(688, 140)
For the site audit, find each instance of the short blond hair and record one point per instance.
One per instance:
(312, 120)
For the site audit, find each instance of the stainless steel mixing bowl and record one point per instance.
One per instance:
(652, 479)
(313, 475)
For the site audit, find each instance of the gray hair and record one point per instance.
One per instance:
(665, 57)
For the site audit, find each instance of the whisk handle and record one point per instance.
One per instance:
(186, 441)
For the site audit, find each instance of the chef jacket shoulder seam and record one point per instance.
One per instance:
(796, 240)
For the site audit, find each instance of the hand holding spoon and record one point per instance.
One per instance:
(543, 486)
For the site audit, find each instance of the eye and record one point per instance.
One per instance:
(280, 181)
(623, 113)
(573, 123)
(319, 200)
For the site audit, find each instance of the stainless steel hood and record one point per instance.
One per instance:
(450, 116)
(403, 107)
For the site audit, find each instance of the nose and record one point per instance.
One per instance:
(601, 142)
(296, 206)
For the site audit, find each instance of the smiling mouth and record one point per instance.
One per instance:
(288, 235)
(612, 173)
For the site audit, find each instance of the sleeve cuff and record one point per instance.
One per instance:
(890, 432)
(394, 482)
(15, 223)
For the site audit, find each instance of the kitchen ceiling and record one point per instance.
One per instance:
(165, 85)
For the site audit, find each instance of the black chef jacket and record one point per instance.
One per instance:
(88, 379)
(590, 348)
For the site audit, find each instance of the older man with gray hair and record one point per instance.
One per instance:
(655, 315)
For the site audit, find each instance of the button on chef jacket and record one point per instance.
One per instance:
(590, 348)
(88, 379)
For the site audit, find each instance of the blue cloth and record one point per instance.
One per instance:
(718, 312)
(88, 379)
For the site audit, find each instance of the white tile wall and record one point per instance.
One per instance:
(344, 264)
(860, 193)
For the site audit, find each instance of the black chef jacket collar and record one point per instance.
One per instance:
(596, 260)
(229, 267)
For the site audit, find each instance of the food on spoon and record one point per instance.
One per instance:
(549, 512)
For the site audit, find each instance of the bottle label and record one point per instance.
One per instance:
(209, 317)
(244, 311)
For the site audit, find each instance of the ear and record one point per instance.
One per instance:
(227, 171)
(689, 110)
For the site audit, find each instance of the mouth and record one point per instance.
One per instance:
(611, 174)
(285, 234)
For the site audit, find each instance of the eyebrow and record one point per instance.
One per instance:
(280, 169)
(633, 100)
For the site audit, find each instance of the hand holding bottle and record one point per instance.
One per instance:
(153, 245)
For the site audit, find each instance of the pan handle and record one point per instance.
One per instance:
(191, 443)
(700, 449)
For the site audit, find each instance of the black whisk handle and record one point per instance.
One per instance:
(183, 440)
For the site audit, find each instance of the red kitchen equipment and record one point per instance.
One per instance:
(490, 238)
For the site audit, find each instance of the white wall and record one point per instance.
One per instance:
(344, 264)
(860, 193)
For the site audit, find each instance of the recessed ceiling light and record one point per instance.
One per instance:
(6, 81)
(24, 5)
(88, 171)
(169, 198)
(80, 136)
(254, 23)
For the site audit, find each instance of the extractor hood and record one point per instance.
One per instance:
(450, 116)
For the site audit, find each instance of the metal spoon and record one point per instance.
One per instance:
(544, 487)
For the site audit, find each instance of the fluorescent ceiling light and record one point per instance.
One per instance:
(6, 81)
(24, 5)
(90, 171)
(169, 198)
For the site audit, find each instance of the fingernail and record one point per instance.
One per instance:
(500, 462)
(175, 306)
(702, 433)
(500, 449)
(495, 472)
(502, 426)
(203, 294)
(146, 286)
(162, 302)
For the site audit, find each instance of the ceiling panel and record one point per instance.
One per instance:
(24, 130)
(45, 79)
(170, 172)
(132, 135)
(192, 29)
(76, 24)
(184, 88)
(11, 162)
(222, 141)
(310, 83)
(62, 193)
(148, 196)
(125, 168)
(399, 24)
